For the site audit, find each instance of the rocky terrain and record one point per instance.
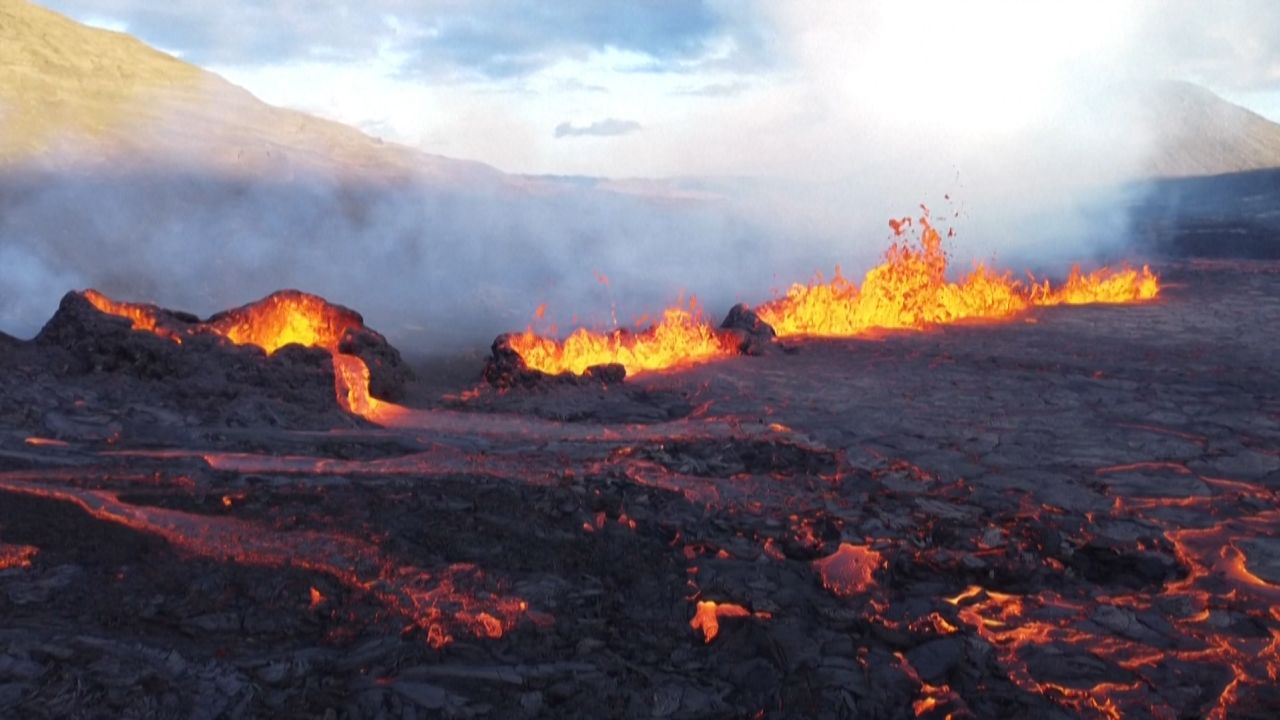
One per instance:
(1072, 514)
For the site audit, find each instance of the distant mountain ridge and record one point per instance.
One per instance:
(1194, 133)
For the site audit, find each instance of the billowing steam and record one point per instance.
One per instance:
(431, 265)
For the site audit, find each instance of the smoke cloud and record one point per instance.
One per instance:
(435, 263)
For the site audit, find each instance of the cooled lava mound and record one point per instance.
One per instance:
(290, 359)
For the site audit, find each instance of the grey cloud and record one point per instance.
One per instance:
(600, 128)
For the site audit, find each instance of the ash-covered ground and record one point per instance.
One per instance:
(1071, 514)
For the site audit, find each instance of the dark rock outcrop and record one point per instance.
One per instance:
(95, 341)
(755, 336)
(388, 372)
(197, 370)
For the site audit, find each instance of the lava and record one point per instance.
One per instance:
(680, 339)
(707, 617)
(144, 317)
(910, 290)
(1225, 605)
(16, 556)
(850, 570)
(287, 318)
(284, 318)
(436, 601)
(1104, 285)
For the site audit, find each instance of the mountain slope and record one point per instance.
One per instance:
(1194, 132)
(72, 94)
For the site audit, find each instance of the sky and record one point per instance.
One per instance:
(702, 87)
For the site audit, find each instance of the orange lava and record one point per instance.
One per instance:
(44, 442)
(285, 318)
(1104, 285)
(1219, 585)
(680, 339)
(455, 596)
(16, 556)
(707, 617)
(910, 290)
(850, 570)
(144, 317)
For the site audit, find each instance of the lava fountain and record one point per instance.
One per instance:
(682, 338)
(910, 290)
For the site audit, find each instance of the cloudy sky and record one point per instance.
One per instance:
(674, 87)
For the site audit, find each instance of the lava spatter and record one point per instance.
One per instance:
(910, 290)
(680, 339)
(850, 570)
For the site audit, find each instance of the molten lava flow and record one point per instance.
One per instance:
(910, 290)
(1222, 620)
(850, 570)
(707, 617)
(452, 597)
(144, 317)
(285, 318)
(681, 339)
(351, 379)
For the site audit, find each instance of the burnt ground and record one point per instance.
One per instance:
(1071, 514)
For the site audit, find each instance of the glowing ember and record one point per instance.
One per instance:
(681, 339)
(850, 570)
(16, 556)
(910, 290)
(44, 442)
(707, 617)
